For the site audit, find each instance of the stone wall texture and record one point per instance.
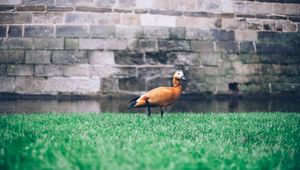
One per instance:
(114, 47)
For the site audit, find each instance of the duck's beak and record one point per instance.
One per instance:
(183, 78)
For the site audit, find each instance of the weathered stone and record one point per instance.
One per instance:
(286, 9)
(227, 46)
(103, 72)
(15, 18)
(209, 6)
(108, 3)
(16, 43)
(11, 56)
(59, 8)
(30, 8)
(294, 18)
(91, 44)
(223, 35)
(37, 57)
(128, 58)
(69, 57)
(158, 20)
(210, 59)
(172, 45)
(7, 84)
(109, 85)
(80, 17)
(158, 81)
(74, 2)
(184, 59)
(144, 4)
(249, 58)
(199, 14)
(126, 3)
(247, 47)
(102, 31)
(7, 7)
(152, 72)
(77, 70)
(156, 32)
(101, 57)
(116, 44)
(129, 32)
(260, 8)
(287, 26)
(198, 34)
(2, 70)
(47, 18)
(71, 31)
(38, 2)
(143, 45)
(202, 46)
(71, 43)
(20, 70)
(245, 35)
(269, 25)
(177, 33)
(193, 22)
(166, 12)
(15, 31)
(2, 31)
(229, 23)
(156, 58)
(92, 9)
(131, 19)
(48, 70)
(132, 84)
(256, 25)
(183, 5)
(241, 7)
(48, 43)
(125, 72)
(108, 19)
(11, 2)
(38, 31)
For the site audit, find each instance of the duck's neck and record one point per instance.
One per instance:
(176, 83)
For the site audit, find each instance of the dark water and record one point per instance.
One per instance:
(106, 105)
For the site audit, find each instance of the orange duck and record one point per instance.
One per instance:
(160, 96)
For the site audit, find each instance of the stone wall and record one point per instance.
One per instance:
(104, 47)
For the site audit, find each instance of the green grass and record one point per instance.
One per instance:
(135, 141)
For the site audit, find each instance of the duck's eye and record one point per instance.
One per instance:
(178, 73)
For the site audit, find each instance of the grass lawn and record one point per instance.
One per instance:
(135, 141)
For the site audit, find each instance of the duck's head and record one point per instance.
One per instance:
(179, 75)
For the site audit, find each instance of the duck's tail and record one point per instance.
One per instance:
(132, 103)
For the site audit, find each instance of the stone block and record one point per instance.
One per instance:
(210, 59)
(11, 2)
(7, 84)
(2, 30)
(102, 31)
(165, 12)
(227, 47)
(177, 33)
(108, 19)
(71, 43)
(15, 18)
(38, 31)
(158, 4)
(3, 69)
(286, 9)
(268, 26)
(130, 19)
(59, 8)
(196, 22)
(287, 26)
(15, 31)
(158, 81)
(125, 72)
(209, 6)
(155, 58)
(184, 59)
(16, 43)
(92, 44)
(126, 3)
(47, 18)
(20, 70)
(129, 58)
(77, 70)
(249, 58)
(241, 7)
(174, 45)
(101, 58)
(109, 85)
(183, 5)
(74, 2)
(143, 45)
(132, 84)
(198, 34)
(258, 25)
(71, 31)
(38, 2)
(247, 47)
(37, 57)
(103, 72)
(116, 44)
(11, 56)
(261, 8)
(79, 18)
(30, 8)
(156, 32)
(48, 43)
(229, 23)
(69, 57)
(48, 70)
(245, 35)
(129, 32)
(144, 4)
(105, 3)
(158, 20)
(152, 72)
(223, 35)
(202, 46)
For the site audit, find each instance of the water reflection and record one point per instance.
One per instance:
(106, 105)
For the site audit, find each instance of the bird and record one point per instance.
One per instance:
(160, 96)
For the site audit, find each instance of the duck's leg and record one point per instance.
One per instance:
(148, 106)
(162, 112)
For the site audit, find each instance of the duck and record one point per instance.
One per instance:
(160, 96)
